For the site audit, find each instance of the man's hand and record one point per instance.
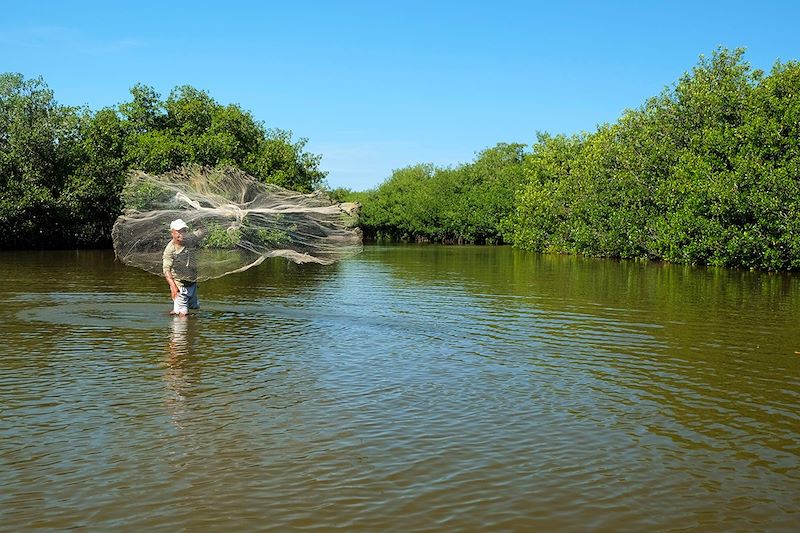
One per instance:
(173, 287)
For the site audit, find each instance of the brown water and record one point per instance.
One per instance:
(408, 389)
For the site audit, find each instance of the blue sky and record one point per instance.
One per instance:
(376, 86)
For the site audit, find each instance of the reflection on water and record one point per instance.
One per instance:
(411, 388)
(181, 372)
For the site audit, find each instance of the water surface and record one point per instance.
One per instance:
(412, 388)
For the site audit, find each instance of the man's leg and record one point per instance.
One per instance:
(180, 306)
(194, 302)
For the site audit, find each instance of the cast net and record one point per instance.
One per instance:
(234, 222)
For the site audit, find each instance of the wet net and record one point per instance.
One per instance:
(234, 222)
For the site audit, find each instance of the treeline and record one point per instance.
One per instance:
(467, 204)
(707, 172)
(62, 168)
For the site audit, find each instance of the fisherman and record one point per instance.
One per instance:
(180, 268)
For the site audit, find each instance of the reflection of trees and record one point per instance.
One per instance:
(679, 297)
(274, 277)
(98, 268)
(710, 349)
(83, 268)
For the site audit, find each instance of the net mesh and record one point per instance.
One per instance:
(234, 222)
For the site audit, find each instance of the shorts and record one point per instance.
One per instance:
(186, 299)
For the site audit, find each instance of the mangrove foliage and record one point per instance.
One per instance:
(63, 168)
(707, 172)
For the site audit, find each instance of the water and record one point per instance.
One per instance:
(411, 388)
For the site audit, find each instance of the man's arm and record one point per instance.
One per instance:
(167, 266)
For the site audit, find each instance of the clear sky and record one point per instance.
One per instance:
(376, 85)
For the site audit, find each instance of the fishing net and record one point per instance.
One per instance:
(234, 223)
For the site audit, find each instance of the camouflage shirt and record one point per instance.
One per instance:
(180, 261)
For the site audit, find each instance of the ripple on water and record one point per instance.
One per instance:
(379, 398)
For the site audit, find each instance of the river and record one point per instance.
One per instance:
(411, 388)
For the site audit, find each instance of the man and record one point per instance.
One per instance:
(180, 269)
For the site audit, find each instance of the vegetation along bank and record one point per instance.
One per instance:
(707, 172)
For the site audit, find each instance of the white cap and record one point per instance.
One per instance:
(178, 224)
